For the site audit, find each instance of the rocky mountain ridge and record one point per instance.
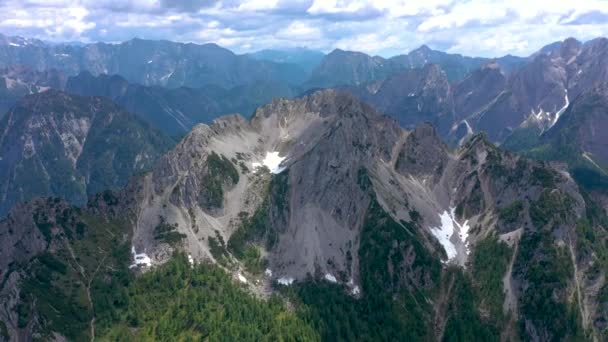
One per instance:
(530, 98)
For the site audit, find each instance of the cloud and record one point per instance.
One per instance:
(187, 5)
(385, 27)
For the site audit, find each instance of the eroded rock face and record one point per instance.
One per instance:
(329, 143)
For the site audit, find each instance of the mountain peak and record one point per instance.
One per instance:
(423, 49)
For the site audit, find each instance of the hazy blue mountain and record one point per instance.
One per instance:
(18, 80)
(302, 57)
(55, 144)
(176, 110)
(149, 62)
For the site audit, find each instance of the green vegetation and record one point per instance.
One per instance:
(82, 278)
(522, 139)
(512, 212)
(489, 265)
(547, 270)
(4, 331)
(592, 244)
(552, 206)
(397, 305)
(363, 180)
(464, 322)
(218, 249)
(257, 228)
(177, 302)
(253, 261)
(543, 176)
(602, 299)
(166, 233)
(221, 172)
(337, 316)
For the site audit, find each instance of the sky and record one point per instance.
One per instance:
(377, 27)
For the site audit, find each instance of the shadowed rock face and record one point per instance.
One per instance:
(582, 125)
(176, 110)
(55, 144)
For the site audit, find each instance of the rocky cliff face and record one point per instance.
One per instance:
(324, 188)
(526, 100)
(539, 94)
(414, 96)
(71, 146)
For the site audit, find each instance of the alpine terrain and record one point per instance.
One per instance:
(318, 218)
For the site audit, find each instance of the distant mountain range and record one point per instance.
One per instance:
(170, 64)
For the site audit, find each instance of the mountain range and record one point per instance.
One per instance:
(324, 190)
(427, 196)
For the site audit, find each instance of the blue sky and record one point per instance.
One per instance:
(383, 27)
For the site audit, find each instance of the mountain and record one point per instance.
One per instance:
(304, 58)
(525, 102)
(455, 66)
(412, 97)
(348, 68)
(55, 144)
(370, 231)
(149, 62)
(577, 139)
(536, 96)
(18, 81)
(341, 67)
(176, 110)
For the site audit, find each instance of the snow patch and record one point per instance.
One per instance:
(329, 277)
(355, 291)
(140, 259)
(561, 111)
(272, 161)
(285, 281)
(586, 156)
(167, 76)
(268, 272)
(445, 233)
(14, 44)
(150, 61)
(469, 129)
(242, 279)
(190, 260)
